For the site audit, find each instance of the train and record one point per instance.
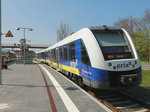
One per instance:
(7, 56)
(100, 57)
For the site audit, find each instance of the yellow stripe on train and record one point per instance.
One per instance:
(61, 66)
(70, 69)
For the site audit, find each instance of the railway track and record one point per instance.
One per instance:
(119, 102)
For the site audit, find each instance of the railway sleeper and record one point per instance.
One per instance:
(114, 99)
(108, 96)
(128, 102)
(142, 110)
(129, 106)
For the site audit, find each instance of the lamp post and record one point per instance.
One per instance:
(24, 40)
(0, 48)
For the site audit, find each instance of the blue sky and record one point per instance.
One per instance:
(45, 16)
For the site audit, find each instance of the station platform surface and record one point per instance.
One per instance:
(39, 88)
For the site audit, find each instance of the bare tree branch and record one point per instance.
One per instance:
(63, 31)
(130, 24)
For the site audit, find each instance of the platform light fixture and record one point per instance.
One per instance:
(24, 43)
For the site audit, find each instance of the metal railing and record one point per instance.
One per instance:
(28, 45)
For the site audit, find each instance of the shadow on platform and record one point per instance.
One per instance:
(38, 86)
(24, 85)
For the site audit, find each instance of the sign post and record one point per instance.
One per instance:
(9, 34)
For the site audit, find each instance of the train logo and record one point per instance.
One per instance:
(125, 65)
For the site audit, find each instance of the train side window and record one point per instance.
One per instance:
(43, 55)
(84, 55)
(65, 49)
(61, 53)
(49, 54)
(54, 55)
(72, 51)
(46, 54)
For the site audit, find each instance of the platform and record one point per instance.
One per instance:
(23, 89)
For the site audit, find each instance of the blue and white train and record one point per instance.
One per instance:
(100, 57)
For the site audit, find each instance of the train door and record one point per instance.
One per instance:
(85, 65)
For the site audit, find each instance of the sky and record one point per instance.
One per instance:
(45, 16)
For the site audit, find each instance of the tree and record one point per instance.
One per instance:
(147, 18)
(142, 44)
(145, 22)
(139, 28)
(130, 24)
(63, 31)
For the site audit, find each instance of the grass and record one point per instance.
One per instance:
(146, 78)
(145, 62)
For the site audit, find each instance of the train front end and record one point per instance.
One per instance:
(120, 63)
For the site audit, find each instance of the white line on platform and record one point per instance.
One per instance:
(65, 98)
(3, 105)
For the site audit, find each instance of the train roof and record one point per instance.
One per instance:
(12, 52)
(41, 51)
(103, 27)
(72, 37)
(68, 39)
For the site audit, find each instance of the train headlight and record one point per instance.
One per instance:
(114, 67)
(109, 64)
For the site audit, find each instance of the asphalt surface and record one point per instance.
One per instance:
(23, 90)
(145, 67)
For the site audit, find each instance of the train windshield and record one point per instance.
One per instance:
(114, 44)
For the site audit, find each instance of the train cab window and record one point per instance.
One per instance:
(65, 49)
(84, 55)
(72, 51)
(114, 44)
